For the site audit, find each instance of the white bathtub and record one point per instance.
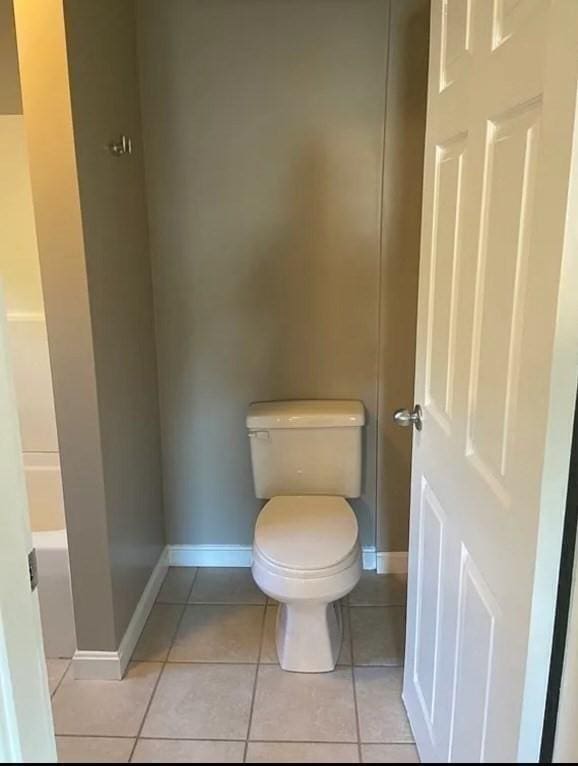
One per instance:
(54, 593)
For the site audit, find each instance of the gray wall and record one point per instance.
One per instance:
(264, 137)
(402, 195)
(92, 238)
(101, 40)
(46, 102)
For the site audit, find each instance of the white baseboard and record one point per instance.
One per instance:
(110, 666)
(234, 556)
(394, 562)
(369, 557)
(210, 555)
(103, 666)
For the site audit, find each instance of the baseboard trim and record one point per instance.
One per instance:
(210, 555)
(393, 562)
(369, 557)
(233, 556)
(111, 666)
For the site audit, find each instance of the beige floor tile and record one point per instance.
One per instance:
(389, 754)
(310, 707)
(56, 670)
(378, 635)
(159, 632)
(379, 590)
(187, 751)
(345, 654)
(105, 708)
(201, 702)
(382, 716)
(269, 652)
(177, 585)
(93, 749)
(301, 752)
(225, 585)
(219, 633)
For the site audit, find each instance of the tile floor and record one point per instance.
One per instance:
(205, 686)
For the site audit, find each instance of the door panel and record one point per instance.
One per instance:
(455, 39)
(500, 282)
(474, 667)
(430, 561)
(444, 280)
(485, 528)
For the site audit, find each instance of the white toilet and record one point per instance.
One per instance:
(306, 458)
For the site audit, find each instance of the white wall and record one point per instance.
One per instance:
(20, 272)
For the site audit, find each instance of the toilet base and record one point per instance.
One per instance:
(309, 636)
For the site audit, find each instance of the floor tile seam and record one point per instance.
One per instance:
(227, 603)
(158, 679)
(254, 692)
(268, 663)
(354, 690)
(61, 679)
(377, 606)
(242, 740)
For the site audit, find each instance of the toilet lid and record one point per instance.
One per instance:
(306, 532)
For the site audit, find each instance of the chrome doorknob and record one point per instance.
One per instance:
(405, 418)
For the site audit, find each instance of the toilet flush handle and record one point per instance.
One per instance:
(262, 435)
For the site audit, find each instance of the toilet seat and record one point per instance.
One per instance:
(306, 536)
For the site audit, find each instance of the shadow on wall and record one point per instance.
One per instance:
(400, 265)
(278, 319)
(309, 336)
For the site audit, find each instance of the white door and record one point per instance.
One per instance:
(26, 731)
(496, 374)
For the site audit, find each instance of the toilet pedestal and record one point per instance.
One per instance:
(309, 636)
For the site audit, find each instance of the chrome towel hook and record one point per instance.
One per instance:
(121, 145)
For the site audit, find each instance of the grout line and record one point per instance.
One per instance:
(377, 606)
(257, 665)
(355, 706)
(226, 603)
(254, 694)
(163, 666)
(193, 581)
(210, 603)
(96, 736)
(215, 739)
(199, 662)
(220, 739)
(268, 604)
(263, 663)
(58, 685)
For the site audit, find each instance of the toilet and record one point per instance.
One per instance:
(306, 459)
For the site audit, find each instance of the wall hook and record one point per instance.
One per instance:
(121, 145)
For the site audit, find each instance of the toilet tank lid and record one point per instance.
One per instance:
(306, 413)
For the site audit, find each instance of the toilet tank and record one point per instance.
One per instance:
(310, 447)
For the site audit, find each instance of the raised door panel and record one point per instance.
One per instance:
(500, 287)
(509, 17)
(429, 607)
(455, 40)
(444, 279)
(477, 617)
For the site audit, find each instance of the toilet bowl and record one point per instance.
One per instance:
(307, 556)
(306, 460)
